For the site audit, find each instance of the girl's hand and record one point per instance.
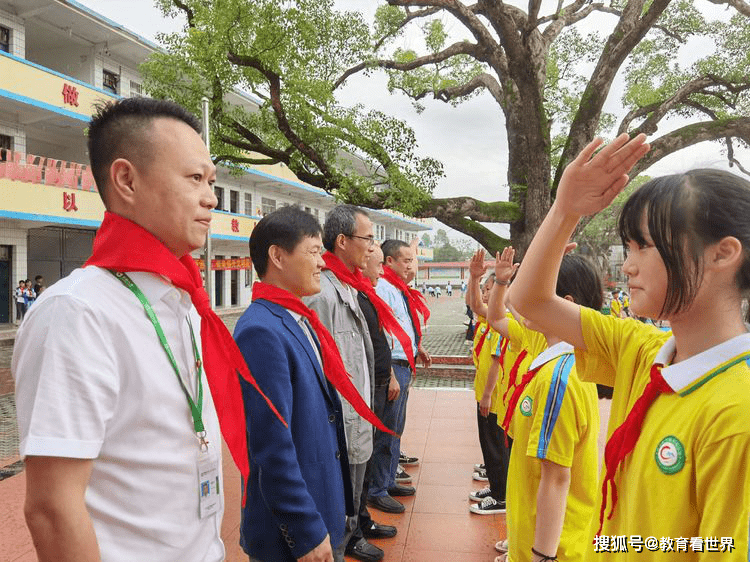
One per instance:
(591, 181)
(476, 265)
(504, 266)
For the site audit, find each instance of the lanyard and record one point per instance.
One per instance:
(195, 409)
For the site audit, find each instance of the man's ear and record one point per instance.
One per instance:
(276, 256)
(122, 176)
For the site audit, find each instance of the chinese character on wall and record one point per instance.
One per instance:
(70, 95)
(235, 225)
(69, 201)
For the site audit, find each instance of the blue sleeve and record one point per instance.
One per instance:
(270, 444)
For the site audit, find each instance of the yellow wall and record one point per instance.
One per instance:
(43, 86)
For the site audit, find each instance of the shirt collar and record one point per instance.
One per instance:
(560, 348)
(688, 375)
(157, 287)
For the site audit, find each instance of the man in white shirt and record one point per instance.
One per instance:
(120, 438)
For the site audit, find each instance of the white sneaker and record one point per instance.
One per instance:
(480, 475)
(488, 506)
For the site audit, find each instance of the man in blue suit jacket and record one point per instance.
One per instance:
(299, 489)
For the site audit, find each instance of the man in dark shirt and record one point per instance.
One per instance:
(386, 391)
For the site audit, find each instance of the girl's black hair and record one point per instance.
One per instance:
(685, 213)
(579, 278)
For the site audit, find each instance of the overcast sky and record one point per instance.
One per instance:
(470, 140)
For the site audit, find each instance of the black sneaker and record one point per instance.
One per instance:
(406, 460)
(478, 466)
(402, 476)
(479, 495)
(488, 506)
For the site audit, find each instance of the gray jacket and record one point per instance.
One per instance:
(348, 327)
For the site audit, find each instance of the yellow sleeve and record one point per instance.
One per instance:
(556, 425)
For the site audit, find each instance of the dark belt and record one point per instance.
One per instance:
(402, 362)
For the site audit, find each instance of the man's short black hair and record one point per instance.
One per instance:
(284, 228)
(119, 130)
(392, 248)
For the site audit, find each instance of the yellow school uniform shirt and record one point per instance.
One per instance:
(615, 307)
(520, 333)
(497, 399)
(556, 419)
(484, 360)
(689, 473)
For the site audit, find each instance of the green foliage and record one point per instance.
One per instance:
(234, 46)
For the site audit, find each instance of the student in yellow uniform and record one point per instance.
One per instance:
(553, 418)
(676, 481)
(491, 498)
(615, 307)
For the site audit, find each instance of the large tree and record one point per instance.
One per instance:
(686, 79)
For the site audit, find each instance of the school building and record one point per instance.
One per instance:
(58, 59)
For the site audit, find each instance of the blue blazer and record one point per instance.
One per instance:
(299, 487)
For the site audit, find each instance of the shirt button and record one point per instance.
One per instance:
(331, 418)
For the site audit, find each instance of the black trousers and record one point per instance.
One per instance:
(495, 453)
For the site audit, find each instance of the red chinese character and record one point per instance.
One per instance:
(69, 201)
(235, 225)
(70, 95)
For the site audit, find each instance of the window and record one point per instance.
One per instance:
(234, 201)
(249, 204)
(380, 232)
(110, 81)
(4, 39)
(219, 191)
(6, 144)
(135, 89)
(248, 277)
(269, 205)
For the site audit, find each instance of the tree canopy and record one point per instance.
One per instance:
(549, 68)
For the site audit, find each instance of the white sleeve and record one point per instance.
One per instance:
(66, 380)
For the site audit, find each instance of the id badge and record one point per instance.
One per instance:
(209, 491)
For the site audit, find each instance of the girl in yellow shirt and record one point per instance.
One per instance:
(553, 419)
(676, 482)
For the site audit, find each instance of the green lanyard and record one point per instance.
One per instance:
(195, 409)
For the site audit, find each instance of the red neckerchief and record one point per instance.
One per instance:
(480, 343)
(514, 371)
(503, 349)
(333, 365)
(624, 438)
(527, 378)
(385, 315)
(121, 245)
(415, 299)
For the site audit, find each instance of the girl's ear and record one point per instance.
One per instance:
(569, 298)
(726, 253)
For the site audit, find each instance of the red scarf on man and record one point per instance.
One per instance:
(415, 299)
(121, 245)
(333, 365)
(624, 438)
(361, 283)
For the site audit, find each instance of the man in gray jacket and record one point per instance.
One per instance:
(348, 235)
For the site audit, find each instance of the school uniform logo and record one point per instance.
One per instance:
(670, 455)
(526, 406)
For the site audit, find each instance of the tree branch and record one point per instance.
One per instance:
(461, 48)
(188, 12)
(483, 80)
(739, 5)
(410, 17)
(737, 127)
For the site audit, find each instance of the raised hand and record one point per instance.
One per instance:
(476, 265)
(591, 181)
(504, 266)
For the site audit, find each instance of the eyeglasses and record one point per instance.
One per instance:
(370, 239)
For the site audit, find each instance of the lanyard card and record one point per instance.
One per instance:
(209, 490)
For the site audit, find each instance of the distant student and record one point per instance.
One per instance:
(676, 462)
(553, 418)
(615, 307)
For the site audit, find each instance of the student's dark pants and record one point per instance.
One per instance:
(496, 454)
(20, 310)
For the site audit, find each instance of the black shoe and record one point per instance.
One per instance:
(406, 460)
(386, 503)
(378, 531)
(363, 550)
(401, 490)
(402, 475)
